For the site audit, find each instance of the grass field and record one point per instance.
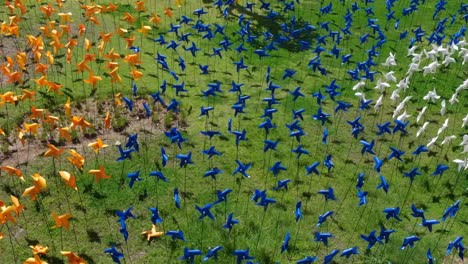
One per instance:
(39, 55)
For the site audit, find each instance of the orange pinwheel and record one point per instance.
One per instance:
(67, 108)
(168, 12)
(152, 233)
(65, 17)
(2, 235)
(81, 29)
(155, 19)
(35, 260)
(47, 10)
(71, 43)
(130, 41)
(2, 132)
(87, 44)
(42, 81)
(97, 145)
(41, 68)
(144, 29)
(39, 185)
(61, 220)
(179, 3)
(118, 99)
(15, 77)
(133, 59)
(39, 249)
(36, 112)
(13, 171)
(64, 132)
(93, 79)
(111, 7)
(6, 214)
(79, 122)
(106, 37)
(31, 128)
(28, 95)
(107, 120)
(140, 6)
(69, 179)
(83, 66)
(115, 77)
(76, 159)
(51, 120)
(9, 97)
(112, 55)
(129, 18)
(99, 174)
(136, 74)
(53, 151)
(72, 257)
(16, 205)
(32, 192)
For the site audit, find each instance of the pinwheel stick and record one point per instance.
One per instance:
(11, 243)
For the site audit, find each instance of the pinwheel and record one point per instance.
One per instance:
(205, 211)
(322, 237)
(39, 250)
(73, 257)
(285, 244)
(328, 162)
(242, 254)
(392, 212)
(150, 234)
(164, 157)
(371, 239)
(230, 222)
(307, 260)
(362, 197)
(296, 93)
(349, 252)
(53, 151)
(159, 175)
(61, 220)
(13, 171)
(385, 234)
(412, 173)
(134, 176)
(185, 159)
(265, 201)
(69, 179)
(34, 260)
(115, 254)
(439, 170)
(155, 218)
(420, 149)
(97, 145)
(124, 153)
(270, 144)
(189, 254)
(282, 184)
(277, 168)
(242, 169)
(212, 252)
(329, 194)
(313, 168)
(396, 153)
(367, 147)
(99, 174)
(323, 217)
(298, 212)
(429, 223)
(328, 258)
(409, 241)
(457, 244)
(176, 198)
(384, 128)
(451, 211)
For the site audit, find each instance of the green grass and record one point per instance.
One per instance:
(94, 225)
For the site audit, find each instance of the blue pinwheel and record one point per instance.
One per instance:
(230, 222)
(185, 159)
(222, 195)
(430, 258)
(270, 144)
(392, 212)
(242, 169)
(396, 153)
(115, 254)
(371, 239)
(205, 211)
(125, 153)
(155, 217)
(323, 217)
(206, 110)
(329, 194)
(176, 234)
(377, 163)
(412, 173)
(362, 197)
(298, 211)
(367, 147)
(285, 244)
(313, 168)
(349, 252)
(134, 176)
(128, 103)
(328, 162)
(242, 254)
(325, 135)
(328, 258)
(409, 241)
(383, 184)
(210, 133)
(420, 149)
(322, 237)
(123, 228)
(282, 184)
(189, 254)
(417, 212)
(429, 223)
(451, 211)
(176, 198)
(212, 173)
(212, 252)
(164, 157)
(385, 234)
(296, 93)
(307, 260)
(384, 128)
(265, 201)
(240, 135)
(297, 114)
(440, 169)
(360, 180)
(457, 244)
(159, 175)
(211, 152)
(277, 168)
(267, 125)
